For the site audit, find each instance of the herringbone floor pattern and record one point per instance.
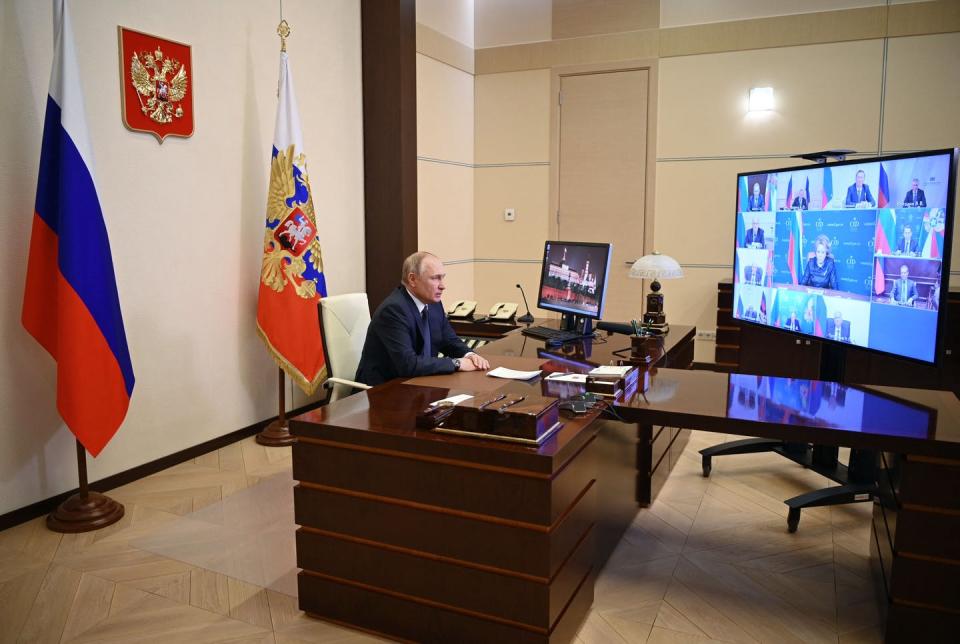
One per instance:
(711, 560)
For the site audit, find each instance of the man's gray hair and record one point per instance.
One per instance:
(414, 264)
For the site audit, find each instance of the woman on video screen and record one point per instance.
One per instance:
(821, 271)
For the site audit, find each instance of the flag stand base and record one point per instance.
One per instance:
(84, 511)
(277, 433)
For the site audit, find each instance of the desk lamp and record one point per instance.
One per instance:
(655, 267)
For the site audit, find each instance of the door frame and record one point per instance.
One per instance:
(556, 76)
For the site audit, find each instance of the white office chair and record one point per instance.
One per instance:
(344, 320)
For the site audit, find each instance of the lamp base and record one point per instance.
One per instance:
(654, 318)
(657, 329)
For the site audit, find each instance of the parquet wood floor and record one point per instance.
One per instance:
(205, 554)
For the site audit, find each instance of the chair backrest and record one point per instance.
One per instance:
(344, 319)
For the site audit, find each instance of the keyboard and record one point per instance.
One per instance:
(546, 333)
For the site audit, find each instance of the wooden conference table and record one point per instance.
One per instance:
(433, 537)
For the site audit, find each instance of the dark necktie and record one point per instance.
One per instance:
(425, 352)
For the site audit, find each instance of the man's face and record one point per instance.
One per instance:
(803, 193)
(428, 286)
(904, 272)
(907, 233)
(756, 224)
(756, 189)
(838, 318)
(860, 176)
(915, 185)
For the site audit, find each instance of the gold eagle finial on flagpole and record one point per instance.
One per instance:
(283, 30)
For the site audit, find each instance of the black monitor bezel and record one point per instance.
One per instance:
(954, 155)
(603, 289)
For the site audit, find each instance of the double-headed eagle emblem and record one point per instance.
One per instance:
(291, 249)
(159, 96)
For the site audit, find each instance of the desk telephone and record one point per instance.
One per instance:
(461, 309)
(503, 311)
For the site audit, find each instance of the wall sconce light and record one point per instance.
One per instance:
(761, 99)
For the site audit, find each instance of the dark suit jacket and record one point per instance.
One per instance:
(911, 289)
(844, 330)
(919, 202)
(753, 275)
(756, 202)
(750, 239)
(914, 246)
(864, 196)
(803, 204)
(395, 341)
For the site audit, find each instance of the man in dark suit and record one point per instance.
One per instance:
(409, 328)
(858, 195)
(915, 198)
(800, 201)
(908, 244)
(752, 274)
(754, 235)
(756, 199)
(904, 289)
(837, 328)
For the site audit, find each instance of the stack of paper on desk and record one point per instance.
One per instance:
(513, 374)
(610, 370)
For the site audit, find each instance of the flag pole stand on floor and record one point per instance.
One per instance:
(84, 511)
(277, 433)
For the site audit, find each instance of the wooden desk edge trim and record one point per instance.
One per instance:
(473, 516)
(431, 603)
(357, 627)
(934, 607)
(421, 554)
(427, 459)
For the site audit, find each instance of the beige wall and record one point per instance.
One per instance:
(185, 218)
(507, 22)
(445, 172)
(676, 13)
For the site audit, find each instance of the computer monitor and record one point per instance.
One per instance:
(573, 280)
(854, 253)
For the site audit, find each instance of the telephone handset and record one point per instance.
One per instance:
(503, 310)
(461, 309)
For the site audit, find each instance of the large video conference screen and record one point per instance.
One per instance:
(852, 252)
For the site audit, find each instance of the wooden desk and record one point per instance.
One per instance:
(432, 537)
(915, 544)
(657, 447)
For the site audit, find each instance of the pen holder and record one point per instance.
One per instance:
(526, 417)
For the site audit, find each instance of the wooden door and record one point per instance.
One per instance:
(602, 173)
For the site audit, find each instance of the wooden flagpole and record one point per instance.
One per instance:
(277, 433)
(84, 511)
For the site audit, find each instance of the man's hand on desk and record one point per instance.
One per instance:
(476, 361)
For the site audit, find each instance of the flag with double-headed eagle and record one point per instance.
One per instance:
(291, 274)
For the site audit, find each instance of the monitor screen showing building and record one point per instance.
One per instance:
(573, 277)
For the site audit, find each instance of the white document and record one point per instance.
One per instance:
(512, 374)
(610, 370)
(454, 400)
(568, 377)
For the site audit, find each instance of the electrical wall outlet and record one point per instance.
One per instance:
(709, 335)
(509, 214)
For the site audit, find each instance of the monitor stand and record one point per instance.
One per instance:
(857, 480)
(578, 324)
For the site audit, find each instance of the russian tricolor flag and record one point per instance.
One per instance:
(71, 304)
(883, 192)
